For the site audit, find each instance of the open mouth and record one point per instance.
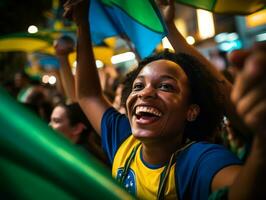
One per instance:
(147, 114)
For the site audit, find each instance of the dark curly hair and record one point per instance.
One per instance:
(203, 92)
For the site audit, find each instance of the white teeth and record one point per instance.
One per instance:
(147, 109)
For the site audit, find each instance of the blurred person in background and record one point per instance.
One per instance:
(70, 121)
(22, 85)
(68, 118)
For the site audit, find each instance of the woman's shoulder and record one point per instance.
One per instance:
(206, 150)
(197, 165)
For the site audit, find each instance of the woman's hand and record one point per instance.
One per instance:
(77, 10)
(249, 91)
(63, 46)
(167, 9)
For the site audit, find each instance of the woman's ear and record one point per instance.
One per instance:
(78, 128)
(193, 112)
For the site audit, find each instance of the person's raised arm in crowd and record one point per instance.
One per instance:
(248, 95)
(63, 47)
(88, 89)
(178, 42)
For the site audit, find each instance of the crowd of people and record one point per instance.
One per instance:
(174, 128)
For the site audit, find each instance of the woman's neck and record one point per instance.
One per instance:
(156, 154)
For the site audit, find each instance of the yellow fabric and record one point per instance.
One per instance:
(22, 44)
(101, 53)
(111, 42)
(239, 6)
(256, 19)
(30, 45)
(147, 180)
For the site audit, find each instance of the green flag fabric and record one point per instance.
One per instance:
(137, 20)
(146, 14)
(242, 7)
(37, 163)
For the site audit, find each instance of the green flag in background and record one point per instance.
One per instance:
(37, 163)
(227, 6)
(139, 21)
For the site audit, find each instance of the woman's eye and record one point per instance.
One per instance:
(137, 86)
(56, 120)
(166, 87)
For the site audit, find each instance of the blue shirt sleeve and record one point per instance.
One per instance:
(115, 128)
(196, 167)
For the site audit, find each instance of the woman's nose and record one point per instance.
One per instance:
(50, 124)
(147, 92)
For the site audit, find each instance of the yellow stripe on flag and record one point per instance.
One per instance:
(238, 6)
(256, 19)
(22, 44)
(101, 53)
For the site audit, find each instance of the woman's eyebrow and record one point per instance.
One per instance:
(139, 77)
(164, 77)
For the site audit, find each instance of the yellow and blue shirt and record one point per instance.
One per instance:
(189, 178)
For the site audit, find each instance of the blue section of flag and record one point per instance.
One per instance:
(108, 21)
(49, 62)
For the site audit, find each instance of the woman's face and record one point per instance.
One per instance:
(158, 103)
(60, 122)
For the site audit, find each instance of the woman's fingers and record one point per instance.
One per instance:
(254, 71)
(249, 91)
(70, 6)
(256, 117)
(251, 99)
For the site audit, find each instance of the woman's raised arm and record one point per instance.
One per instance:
(88, 89)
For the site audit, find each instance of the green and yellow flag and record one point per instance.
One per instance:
(242, 7)
(24, 42)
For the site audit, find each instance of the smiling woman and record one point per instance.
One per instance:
(172, 106)
(201, 88)
(170, 100)
(159, 90)
(70, 121)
